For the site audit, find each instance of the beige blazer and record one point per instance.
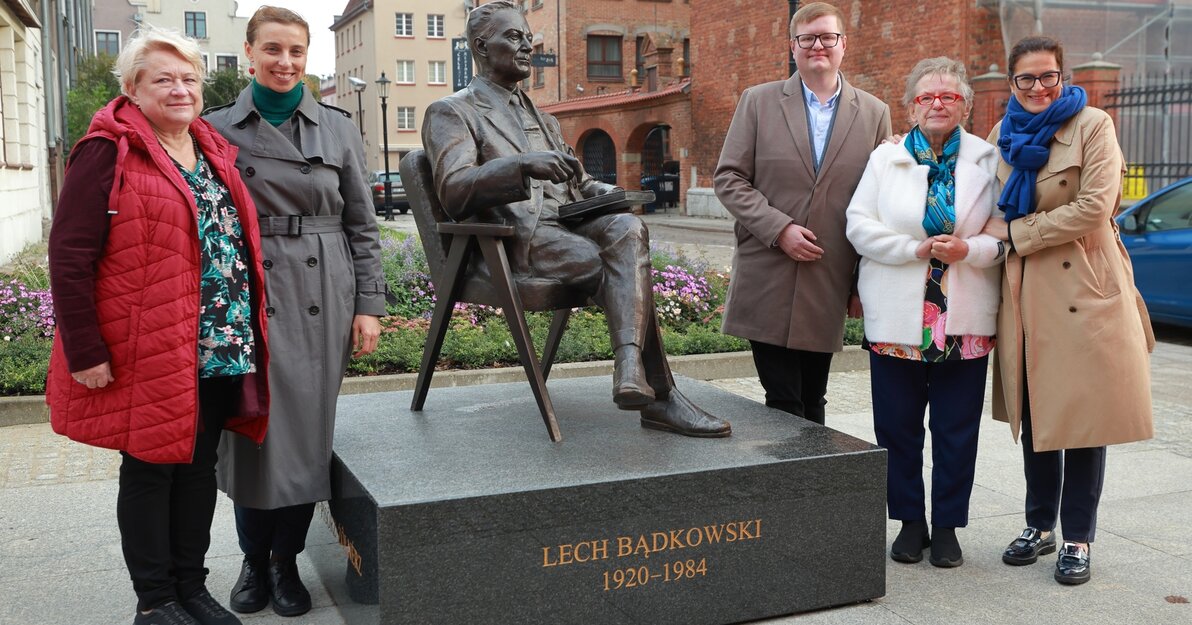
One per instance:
(767, 179)
(1069, 306)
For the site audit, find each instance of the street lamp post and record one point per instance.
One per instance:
(358, 86)
(383, 91)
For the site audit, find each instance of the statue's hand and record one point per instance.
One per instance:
(552, 166)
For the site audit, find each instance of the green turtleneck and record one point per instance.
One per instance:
(276, 107)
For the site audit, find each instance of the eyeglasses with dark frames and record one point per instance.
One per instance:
(1026, 82)
(947, 99)
(827, 40)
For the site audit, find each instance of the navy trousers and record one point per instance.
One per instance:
(955, 392)
(1065, 483)
(280, 532)
(796, 381)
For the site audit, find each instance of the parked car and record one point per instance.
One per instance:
(397, 191)
(1157, 231)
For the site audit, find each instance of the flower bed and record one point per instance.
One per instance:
(688, 295)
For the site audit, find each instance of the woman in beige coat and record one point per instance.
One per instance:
(1072, 370)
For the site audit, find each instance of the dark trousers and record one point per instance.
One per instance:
(164, 511)
(1065, 483)
(795, 381)
(955, 392)
(280, 532)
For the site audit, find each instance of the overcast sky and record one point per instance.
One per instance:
(319, 14)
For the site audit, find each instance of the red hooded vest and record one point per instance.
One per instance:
(147, 301)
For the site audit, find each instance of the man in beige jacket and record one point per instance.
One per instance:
(793, 156)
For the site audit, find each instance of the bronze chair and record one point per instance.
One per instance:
(450, 247)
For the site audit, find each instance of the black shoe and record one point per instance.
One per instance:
(289, 596)
(912, 539)
(1073, 566)
(207, 611)
(1027, 548)
(677, 414)
(168, 614)
(251, 592)
(945, 549)
(631, 391)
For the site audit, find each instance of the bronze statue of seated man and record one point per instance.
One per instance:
(497, 159)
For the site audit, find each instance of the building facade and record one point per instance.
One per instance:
(411, 42)
(114, 22)
(24, 183)
(213, 23)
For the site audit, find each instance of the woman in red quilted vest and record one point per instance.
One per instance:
(160, 344)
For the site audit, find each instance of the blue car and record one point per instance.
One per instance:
(1157, 231)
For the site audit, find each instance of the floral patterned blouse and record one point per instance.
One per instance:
(936, 346)
(225, 309)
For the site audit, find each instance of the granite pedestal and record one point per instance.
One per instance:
(466, 512)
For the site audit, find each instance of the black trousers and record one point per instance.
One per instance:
(164, 511)
(1065, 483)
(955, 391)
(795, 381)
(280, 532)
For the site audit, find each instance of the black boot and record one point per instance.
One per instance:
(290, 597)
(251, 592)
(908, 547)
(945, 549)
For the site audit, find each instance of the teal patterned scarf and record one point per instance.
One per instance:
(939, 217)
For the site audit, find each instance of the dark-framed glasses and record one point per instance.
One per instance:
(827, 40)
(947, 99)
(1026, 82)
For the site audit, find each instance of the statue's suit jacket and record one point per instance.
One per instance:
(767, 179)
(473, 139)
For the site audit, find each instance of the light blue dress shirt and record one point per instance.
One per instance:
(819, 119)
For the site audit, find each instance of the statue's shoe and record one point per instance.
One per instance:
(677, 414)
(631, 391)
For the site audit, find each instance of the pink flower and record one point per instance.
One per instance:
(975, 346)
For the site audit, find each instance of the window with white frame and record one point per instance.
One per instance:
(226, 61)
(405, 73)
(405, 118)
(438, 73)
(434, 26)
(404, 25)
(107, 42)
(196, 24)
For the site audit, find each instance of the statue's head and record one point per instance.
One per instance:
(500, 40)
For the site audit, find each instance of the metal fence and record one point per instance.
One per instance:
(1155, 130)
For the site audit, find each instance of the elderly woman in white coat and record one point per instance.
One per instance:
(929, 288)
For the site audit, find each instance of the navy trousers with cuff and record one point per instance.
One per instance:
(955, 392)
(280, 532)
(1064, 484)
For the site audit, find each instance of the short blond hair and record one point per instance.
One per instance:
(814, 11)
(148, 38)
(941, 66)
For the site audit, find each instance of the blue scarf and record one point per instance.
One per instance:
(939, 216)
(1024, 145)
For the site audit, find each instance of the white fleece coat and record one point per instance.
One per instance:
(885, 225)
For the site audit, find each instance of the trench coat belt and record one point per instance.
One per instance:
(298, 225)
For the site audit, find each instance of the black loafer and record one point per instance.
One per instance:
(1073, 566)
(251, 591)
(1027, 548)
(911, 541)
(288, 594)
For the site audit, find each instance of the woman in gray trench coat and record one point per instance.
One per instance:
(303, 163)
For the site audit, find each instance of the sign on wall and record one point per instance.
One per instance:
(461, 63)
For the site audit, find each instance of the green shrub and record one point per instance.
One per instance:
(23, 365)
